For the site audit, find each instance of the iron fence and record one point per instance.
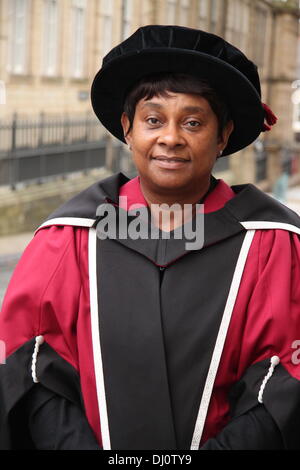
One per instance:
(36, 149)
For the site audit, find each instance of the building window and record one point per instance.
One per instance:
(171, 12)
(238, 23)
(202, 14)
(184, 12)
(126, 18)
(78, 37)
(146, 12)
(107, 25)
(19, 11)
(50, 42)
(260, 34)
(213, 15)
(2, 92)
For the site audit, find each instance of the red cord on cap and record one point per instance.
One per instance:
(270, 118)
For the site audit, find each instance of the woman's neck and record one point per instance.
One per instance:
(169, 211)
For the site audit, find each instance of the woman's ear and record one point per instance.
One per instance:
(126, 125)
(226, 133)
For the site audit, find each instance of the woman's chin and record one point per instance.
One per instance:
(169, 182)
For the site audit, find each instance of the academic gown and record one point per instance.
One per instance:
(160, 346)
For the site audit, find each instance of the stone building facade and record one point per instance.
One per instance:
(50, 51)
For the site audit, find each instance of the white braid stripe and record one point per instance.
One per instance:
(95, 327)
(38, 341)
(217, 353)
(265, 225)
(274, 362)
(75, 221)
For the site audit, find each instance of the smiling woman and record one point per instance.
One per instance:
(175, 139)
(142, 342)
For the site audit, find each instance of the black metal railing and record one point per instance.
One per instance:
(36, 149)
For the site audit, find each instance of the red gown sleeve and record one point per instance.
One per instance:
(265, 323)
(47, 296)
(28, 308)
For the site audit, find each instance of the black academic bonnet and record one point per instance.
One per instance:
(164, 49)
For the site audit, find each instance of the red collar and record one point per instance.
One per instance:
(213, 202)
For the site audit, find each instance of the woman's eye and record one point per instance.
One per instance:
(152, 121)
(193, 123)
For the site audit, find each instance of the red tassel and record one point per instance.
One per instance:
(270, 118)
(266, 127)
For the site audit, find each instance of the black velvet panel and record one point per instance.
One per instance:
(281, 398)
(16, 382)
(157, 337)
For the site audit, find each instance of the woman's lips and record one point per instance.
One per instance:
(171, 163)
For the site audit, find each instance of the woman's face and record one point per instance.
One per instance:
(175, 142)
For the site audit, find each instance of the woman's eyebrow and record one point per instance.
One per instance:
(187, 109)
(193, 109)
(151, 105)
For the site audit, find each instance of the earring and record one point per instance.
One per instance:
(220, 153)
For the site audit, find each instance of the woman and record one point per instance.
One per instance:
(158, 344)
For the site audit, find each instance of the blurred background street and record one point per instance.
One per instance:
(51, 144)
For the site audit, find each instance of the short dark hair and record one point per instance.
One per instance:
(162, 83)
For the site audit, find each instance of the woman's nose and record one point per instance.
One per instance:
(170, 135)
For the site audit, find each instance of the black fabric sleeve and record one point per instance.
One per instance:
(254, 430)
(55, 423)
(276, 422)
(31, 414)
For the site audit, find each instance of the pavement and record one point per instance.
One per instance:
(11, 247)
